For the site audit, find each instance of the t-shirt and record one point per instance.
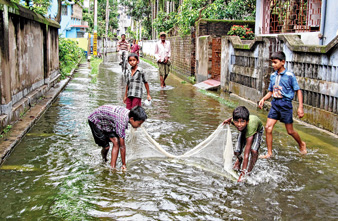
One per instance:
(254, 125)
(283, 85)
(109, 118)
(135, 82)
(123, 45)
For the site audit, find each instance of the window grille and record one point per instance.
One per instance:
(291, 16)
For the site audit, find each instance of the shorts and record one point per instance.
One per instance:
(163, 69)
(132, 102)
(101, 138)
(256, 143)
(281, 109)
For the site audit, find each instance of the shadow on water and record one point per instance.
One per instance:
(56, 171)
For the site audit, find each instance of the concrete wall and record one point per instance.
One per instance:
(246, 72)
(29, 59)
(148, 48)
(202, 58)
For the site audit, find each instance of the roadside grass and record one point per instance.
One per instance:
(149, 62)
(94, 64)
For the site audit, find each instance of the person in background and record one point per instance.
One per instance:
(162, 55)
(282, 87)
(123, 47)
(135, 48)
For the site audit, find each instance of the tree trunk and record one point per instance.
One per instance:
(58, 15)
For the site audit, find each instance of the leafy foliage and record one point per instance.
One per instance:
(140, 10)
(164, 21)
(243, 32)
(101, 17)
(38, 6)
(69, 55)
(231, 9)
(190, 10)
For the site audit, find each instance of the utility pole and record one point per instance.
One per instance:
(95, 29)
(105, 46)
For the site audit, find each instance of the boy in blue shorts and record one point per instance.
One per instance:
(282, 87)
(251, 130)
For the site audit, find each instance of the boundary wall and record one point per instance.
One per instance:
(29, 59)
(246, 69)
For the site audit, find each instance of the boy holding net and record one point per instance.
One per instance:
(251, 130)
(109, 123)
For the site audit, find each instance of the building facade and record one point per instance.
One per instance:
(72, 25)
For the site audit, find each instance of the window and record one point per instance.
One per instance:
(290, 16)
(64, 10)
(80, 34)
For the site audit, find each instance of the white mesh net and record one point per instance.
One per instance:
(214, 154)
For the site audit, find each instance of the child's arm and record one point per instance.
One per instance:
(246, 157)
(125, 95)
(261, 102)
(227, 121)
(300, 111)
(148, 92)
(123, 153)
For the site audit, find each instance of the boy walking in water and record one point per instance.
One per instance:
(134, 87)
(282, 87)
(250, 129)
(109, 123)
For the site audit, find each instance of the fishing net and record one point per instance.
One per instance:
(214, 154)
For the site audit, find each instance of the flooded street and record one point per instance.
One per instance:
(56, 171)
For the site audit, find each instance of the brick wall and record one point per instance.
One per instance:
(181, 49)
(219, 27)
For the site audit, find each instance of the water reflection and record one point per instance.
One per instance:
(68, 181)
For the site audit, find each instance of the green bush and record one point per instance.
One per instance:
(69, 55)
(242, 31)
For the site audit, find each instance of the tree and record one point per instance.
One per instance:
(58, 15)
(101, 17)
(38, 6)
(140, 11)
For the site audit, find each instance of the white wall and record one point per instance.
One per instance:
(148, 47)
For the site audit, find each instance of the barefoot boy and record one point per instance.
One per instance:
(134, 87)
(282, 87)
(109, 123)
(250, 129)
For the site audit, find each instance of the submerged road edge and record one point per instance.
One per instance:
(21, 127)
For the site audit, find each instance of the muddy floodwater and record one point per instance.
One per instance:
(56, 173)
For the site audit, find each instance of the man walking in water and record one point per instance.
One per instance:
(162, 55)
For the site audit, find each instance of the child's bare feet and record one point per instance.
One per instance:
(237, 165)
(124, 168)
(267, 156)
(302, 148)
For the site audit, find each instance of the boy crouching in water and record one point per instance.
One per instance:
(250, 129)
(109, 123)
